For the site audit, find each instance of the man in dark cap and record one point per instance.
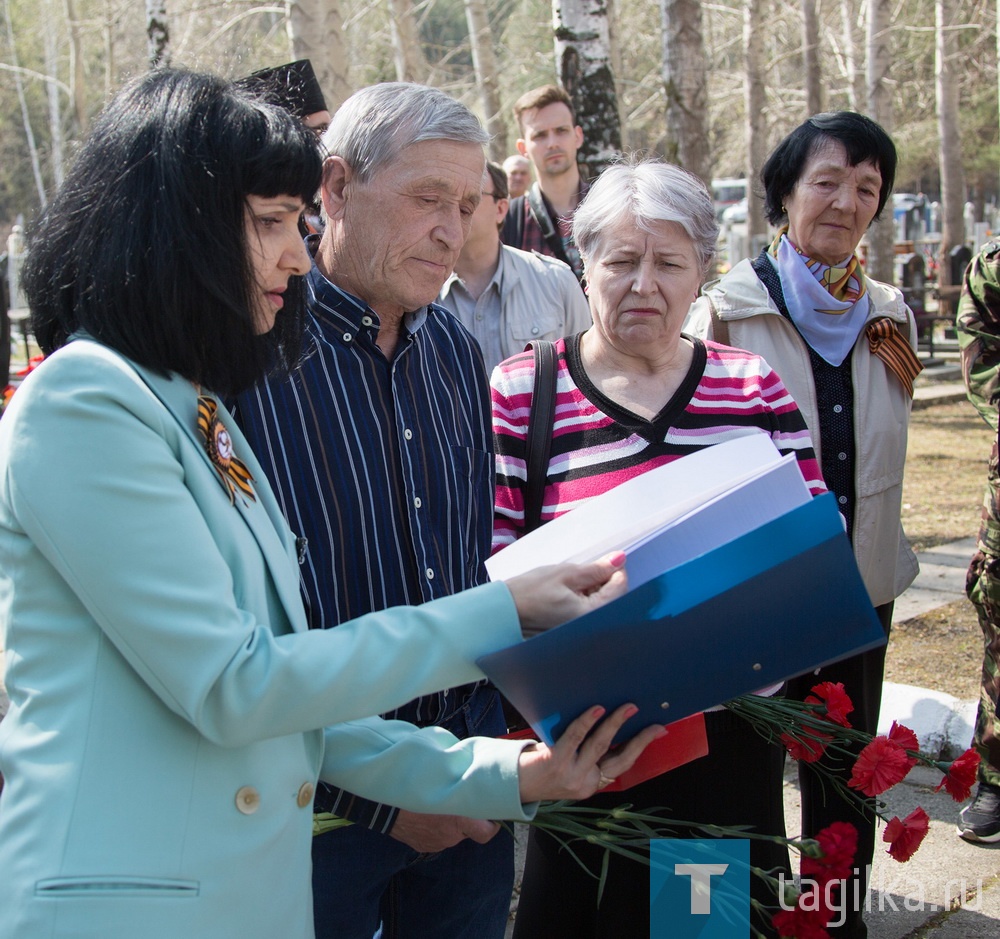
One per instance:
(295, 88)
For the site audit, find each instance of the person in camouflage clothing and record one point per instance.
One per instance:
(978, 322)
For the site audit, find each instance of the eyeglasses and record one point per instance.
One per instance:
(494, 196)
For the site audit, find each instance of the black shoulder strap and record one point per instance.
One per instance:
(539, 441)
(512, 233)
(540, 213)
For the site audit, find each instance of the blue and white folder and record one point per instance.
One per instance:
(743, 587)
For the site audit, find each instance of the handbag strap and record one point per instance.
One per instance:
(539, 441)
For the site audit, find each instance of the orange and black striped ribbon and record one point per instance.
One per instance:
(886, 341)
(232, 471)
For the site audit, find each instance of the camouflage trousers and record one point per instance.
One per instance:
(983, 588)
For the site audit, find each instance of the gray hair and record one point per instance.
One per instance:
(642, 192)
(374, 125)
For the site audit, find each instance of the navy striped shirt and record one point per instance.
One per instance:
(385, 467)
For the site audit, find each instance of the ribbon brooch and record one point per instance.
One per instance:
(232, 471)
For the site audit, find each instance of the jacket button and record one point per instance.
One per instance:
(247, 800)
(305, 796)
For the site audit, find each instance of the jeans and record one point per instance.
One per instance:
(362, 878)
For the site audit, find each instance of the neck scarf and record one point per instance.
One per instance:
(828, 304)
(232, 471)
(828, 319)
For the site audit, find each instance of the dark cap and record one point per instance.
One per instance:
(293, 87)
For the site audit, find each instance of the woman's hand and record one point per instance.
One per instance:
(552, 595)
(579, 764)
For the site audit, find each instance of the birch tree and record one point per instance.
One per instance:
(484, 61)
(882, 234)
(583, 63)
(949, 136)
(684, 81)
(316, 32)
(157, 34)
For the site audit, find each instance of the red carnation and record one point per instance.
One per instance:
(960, 775)
(904, 837)
(838, 842)
(880, 765)
(836, 702)
(808, 923)
(806, 745)
(906, 739)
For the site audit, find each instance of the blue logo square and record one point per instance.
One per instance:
(699, 889)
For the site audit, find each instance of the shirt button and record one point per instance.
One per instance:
(534, 330)
(408, 434)
(430, 573)
(366, 321)
(841, 456)
(842, 500)
(479, 316)
(247, 800)
(347, 337)
(416, 502)
(305, 795)
(837, 408)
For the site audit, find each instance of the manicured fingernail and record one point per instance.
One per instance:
(617, 559)
(631, 711)
(597, 713)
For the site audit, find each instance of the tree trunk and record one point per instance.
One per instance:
(409, 57)
(158, 34)
(77, 75)
(852, 57)
(109, 48)
(52, 93)
(36, 167)
(316, 32)
(618, 69)
(484, 61)
(753, 44)
(583, 61)
(882, 234)
(952, 173)
(684, 80)
(810, 58)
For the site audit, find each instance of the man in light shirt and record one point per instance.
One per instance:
(505, 297)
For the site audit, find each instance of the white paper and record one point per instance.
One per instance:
(635, 510)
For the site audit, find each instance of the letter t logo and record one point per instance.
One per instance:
(701, 884)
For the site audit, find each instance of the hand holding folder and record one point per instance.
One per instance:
(734, 586)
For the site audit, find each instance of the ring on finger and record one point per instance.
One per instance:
(605, 781)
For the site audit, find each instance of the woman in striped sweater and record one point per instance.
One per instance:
(634, 393)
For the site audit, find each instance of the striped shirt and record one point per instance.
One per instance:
(597, 444)
(384, 467)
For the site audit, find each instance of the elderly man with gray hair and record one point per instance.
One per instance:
(380, 449)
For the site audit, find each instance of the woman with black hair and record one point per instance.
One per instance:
(844, 345)
(170, 713)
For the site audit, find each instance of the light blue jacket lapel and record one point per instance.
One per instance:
(264, 517)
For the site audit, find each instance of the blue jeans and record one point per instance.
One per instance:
(362, 878)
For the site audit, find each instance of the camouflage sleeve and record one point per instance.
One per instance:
(978, 324)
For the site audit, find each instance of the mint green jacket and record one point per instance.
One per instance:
(170, 712)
